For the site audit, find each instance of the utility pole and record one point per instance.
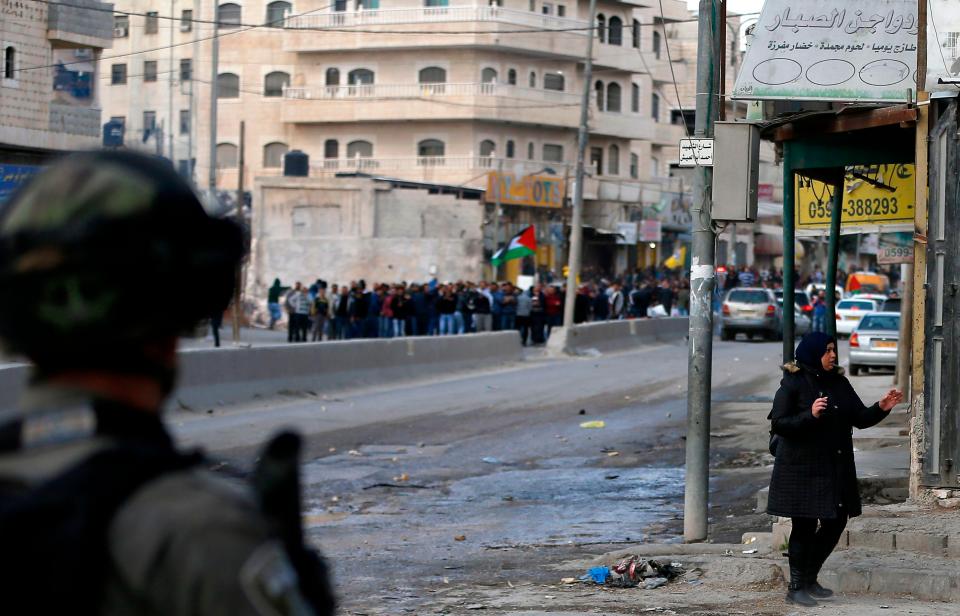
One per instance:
(170, 90)
(214, 93)
(576, 225)
(241, 222)
(498, 216)
(702, 282)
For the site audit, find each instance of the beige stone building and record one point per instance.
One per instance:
(49, 94)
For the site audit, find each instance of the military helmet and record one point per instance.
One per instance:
(104, 251)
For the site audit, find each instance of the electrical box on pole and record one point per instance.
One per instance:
(735, 171)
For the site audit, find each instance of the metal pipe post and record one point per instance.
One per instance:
(576, 225)
(833, 253)
(702, 283)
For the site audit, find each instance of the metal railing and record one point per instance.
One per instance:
(434, 14)
(330, 166)
(427, 90)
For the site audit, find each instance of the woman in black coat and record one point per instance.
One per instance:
(814, 477)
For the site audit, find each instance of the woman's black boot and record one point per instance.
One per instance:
(814, 589)
(797, 590)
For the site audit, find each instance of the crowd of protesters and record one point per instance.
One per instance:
(382, 310)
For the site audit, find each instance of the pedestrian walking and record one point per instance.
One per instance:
(524, 306)
(538, 316)
(814, 479)
(273, 302)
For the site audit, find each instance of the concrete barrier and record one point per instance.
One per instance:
(605, 336)
(212, 377)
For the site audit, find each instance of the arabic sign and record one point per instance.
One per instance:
(895, 248)
(943, 48)
(651, 231)
(696, 152)
(874, 195)
(533, 190)
(627, 233)
(12, 176)
(838, 50)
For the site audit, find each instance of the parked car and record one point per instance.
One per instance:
(752, 311)
(850, 311)
(877, 297)
(874, 341)
(891, 305)
(800, 299)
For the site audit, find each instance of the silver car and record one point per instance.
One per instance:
(752, 311)
(874, 342)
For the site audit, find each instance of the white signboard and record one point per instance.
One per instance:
(943, 47)
(627, 233)
(836, 50)
(696, 153)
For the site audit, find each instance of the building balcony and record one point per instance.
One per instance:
(668, 135)
(623, 125)
(456, 170)
(429, 102)
(83, 23)
(72, 120)
(477, 26)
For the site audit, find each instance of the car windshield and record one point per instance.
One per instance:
(877, 322)
(855, 305)
(749, 297)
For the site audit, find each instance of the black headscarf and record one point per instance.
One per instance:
(811, 350)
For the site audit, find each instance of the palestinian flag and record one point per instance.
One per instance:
(520, 245)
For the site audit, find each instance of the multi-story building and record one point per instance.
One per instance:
(49, 96)
(417, 90)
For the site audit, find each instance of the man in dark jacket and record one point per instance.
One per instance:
(814, 478)
(421, 311)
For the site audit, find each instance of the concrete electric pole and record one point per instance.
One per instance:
(702, 282)
(576, 225)
(214, 93)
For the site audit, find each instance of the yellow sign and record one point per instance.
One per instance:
(872, 195)
(534, 190)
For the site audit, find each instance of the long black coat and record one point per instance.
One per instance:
(814, 475)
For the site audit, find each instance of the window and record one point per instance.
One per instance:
(533, 5)
(436, 3)
(546, 8)
(333, 77)
(553, 81)
(511, 148)
(488, 75)
(186, 20)
(121, 26)
(277, 12)
(152, 25)
(228, 85)
(634, 98)
(429, 150)
(656, 44)
(561, 10)
(487, 147)
(596, 160)
(615, 31)
(339, 6)
(613, 97)
(655, 167)
(149, 123)
(150, 70)
(553, 152)
(186, 69)
(602, 28)
(184, 121)
(273, 154)
(331, 148)
(532, 82)
(118, 73)
(950, 43)
(512, 77)
(598, 89)
(635, 166)
(433, 74)
(275, 82)
(368, 5)
(613, 165)
(636, 33)
(10, 63)
(230, 15)
(530, 153)
(227, 155)
(359, 149)
(120, 119)
(359, 77)
(655, 106)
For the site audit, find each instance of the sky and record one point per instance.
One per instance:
(734, 6)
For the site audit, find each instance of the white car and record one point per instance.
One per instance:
(850, 311)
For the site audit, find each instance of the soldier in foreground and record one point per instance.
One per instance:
(105, 258)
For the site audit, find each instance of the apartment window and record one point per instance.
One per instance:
(360, 77)
(149, 123)
(229, 15)
(613, 97)
(436, 3)
(635, 166)
(546, 8)
(333, 77)
(615, 31)
(275, 82)
(277, 12)
(655, 107)
(533, 5)
(228, 85)
(150, 70)
(433, 74)
(331, 148)
(10, 62)
(613, 165)
(227, 155)
(273, 154)
(186, 69)
(121, 26)
(186, 20)
(120, 119)
(118, 74)
(602, 28)
(152, 25)
(553, 81)
(488, 75)
(561, 10)
(656, 44)
(636, 34)
(532, 82)
(530, 153)
(598, 89)
(553, 152)
(634, 98)
(512, 77)
(431, 147)
(511, 148)
(655, 167)
(184, 121)
(359, 149)
(596, 160)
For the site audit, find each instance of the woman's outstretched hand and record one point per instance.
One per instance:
(891, 399)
